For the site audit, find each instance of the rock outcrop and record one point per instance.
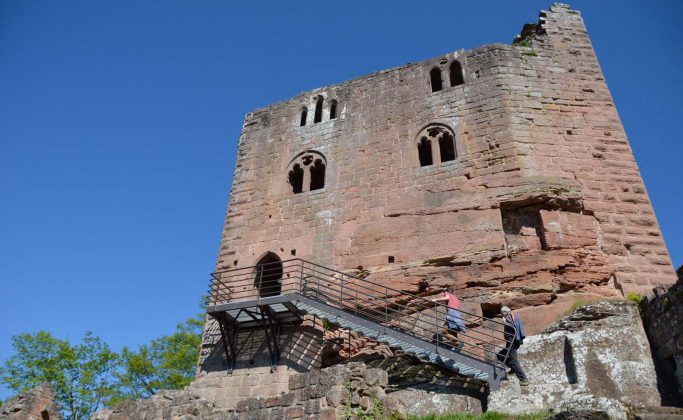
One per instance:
(663, 316)
(37, 403)
(596, 359)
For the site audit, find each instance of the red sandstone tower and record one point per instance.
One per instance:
(503, 171)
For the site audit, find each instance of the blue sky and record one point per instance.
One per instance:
(119, 123)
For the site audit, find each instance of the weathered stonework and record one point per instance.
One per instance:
(538, 202)
(502, 171)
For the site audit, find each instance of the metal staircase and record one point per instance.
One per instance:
(279, 293)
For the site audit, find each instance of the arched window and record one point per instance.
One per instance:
(456, 74)
(296, 178)
(307, 172)
(446, 147)
(304, 115)
(318, 110)
(424, 150)
(432, 135)
(317, 175)
(268, 279)
(435, 76)
(333, 109)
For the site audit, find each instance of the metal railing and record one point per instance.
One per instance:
(416, 315)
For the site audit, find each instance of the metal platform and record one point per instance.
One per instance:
(253, 297)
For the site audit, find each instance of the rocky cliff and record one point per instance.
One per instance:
(38, 403)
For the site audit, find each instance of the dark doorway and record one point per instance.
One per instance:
(268, 280)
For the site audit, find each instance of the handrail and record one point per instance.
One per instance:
(387, 306)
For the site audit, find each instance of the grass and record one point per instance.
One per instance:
(491, 415)
(576, 305)
(530, 53)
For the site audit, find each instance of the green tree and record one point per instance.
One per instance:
(81, 374)
(168, 362)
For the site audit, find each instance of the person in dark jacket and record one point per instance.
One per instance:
(514, 337)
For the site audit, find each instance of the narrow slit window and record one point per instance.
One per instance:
(333, 109)
(456, 74)
(446, 147)
(304, 115)
(318, 110)
(424, 150)
(296, 178)
(317, 175)
(435, 76)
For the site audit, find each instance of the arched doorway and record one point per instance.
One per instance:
(268, 279)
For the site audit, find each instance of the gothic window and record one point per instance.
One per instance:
(296, 178)
(318, 110)
(317, 175)
(304, 114)
(446, 147)
(333, 109)
(307, 172)
(435, 76)
(424, 150)
(432, 136)
(456, 74)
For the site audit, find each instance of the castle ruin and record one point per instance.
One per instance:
(502, 171)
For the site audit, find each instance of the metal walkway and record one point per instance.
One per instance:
(271, 295)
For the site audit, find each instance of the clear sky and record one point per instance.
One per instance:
(119, 123)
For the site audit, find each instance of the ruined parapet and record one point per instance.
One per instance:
(37, 403)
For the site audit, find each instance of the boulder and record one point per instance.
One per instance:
(596, 359)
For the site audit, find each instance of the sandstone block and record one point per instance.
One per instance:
(568, 230)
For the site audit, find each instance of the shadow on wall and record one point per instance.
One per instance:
(300, 349)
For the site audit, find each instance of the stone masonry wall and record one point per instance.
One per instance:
(332, 393)
(301, 351)
(542, 206)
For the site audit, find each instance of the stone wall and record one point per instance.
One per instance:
(38, 403)
(330, 393)
(543, 204)
(301, 351)
(664, 323)
(399, 386)
(596, 359)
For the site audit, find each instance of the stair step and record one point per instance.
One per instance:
(380, 334)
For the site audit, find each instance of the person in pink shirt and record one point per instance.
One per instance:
(454, 318)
